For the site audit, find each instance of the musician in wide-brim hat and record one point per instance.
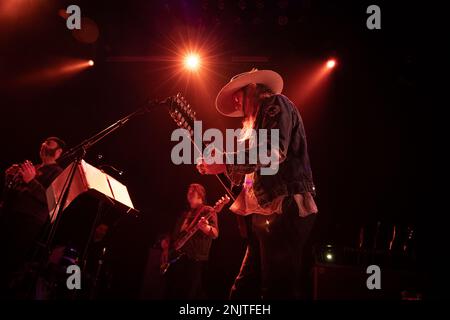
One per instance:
(277, 199)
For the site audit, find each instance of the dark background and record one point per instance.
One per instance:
(365, 121)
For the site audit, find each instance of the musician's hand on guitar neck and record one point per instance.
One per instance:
(214, 168)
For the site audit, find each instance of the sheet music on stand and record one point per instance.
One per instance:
(88, 179)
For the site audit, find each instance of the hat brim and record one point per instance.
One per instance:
(224, 100)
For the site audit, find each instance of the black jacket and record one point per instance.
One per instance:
(294, 174)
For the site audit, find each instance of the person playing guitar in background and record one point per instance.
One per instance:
(24, 211)
(184, 278)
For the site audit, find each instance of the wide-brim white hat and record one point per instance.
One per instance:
(224, 100)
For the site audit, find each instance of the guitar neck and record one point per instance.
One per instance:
(226, 183)
(185, 117)
(179, 243)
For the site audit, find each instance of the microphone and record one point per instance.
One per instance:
(119, 172)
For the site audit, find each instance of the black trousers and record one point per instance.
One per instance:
(272, 266)
(185, 279)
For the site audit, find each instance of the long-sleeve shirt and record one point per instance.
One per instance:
(263, 193)
(23, 216)
(29, 199)
(199, 245)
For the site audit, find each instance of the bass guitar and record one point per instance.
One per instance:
(169, 257)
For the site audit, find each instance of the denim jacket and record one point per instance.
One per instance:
(294, 174)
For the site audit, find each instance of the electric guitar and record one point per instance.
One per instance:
(169, 257)
(184, 116)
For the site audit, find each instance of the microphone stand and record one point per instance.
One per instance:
(77, 154)
(89, 142)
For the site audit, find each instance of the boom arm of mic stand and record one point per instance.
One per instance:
(88, 143)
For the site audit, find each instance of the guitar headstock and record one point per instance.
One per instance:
(182, 113)
(221, 203)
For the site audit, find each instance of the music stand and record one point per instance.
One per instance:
(66, 194)
(87, 179)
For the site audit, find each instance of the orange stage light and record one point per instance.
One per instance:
(63, 68)
(313, 80)
(192, 62)
(331, 63)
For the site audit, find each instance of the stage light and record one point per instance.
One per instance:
(331, 63)
(328, 253)
(192, 62)
(63, 67)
